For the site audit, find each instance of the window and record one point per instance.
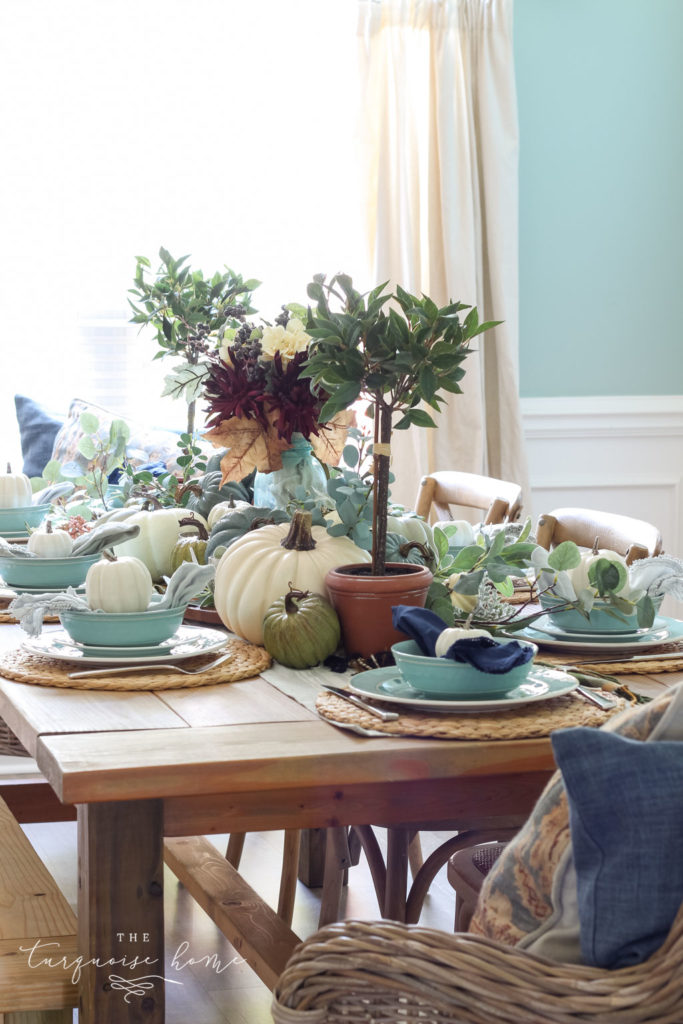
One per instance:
(216, 128)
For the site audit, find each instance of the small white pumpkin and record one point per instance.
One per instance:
(15, 490)
(119, 585)
(258, 568)
(449, 636)
(159, 532)
(49, 543)
(579, 576)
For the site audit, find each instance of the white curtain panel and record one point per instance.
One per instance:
(441, 149)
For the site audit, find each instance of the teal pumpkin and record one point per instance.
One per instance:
(235, 524)
(212, 492)
(400, 549)
(301, 629)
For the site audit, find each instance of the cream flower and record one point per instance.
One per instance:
(286, 340)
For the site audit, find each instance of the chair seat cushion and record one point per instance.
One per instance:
(626, 818)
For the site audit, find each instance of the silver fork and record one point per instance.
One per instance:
(153, 666)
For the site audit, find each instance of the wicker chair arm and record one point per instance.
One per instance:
(360, 971)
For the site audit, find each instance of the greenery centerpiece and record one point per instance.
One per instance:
(394, 350)
(192, 315)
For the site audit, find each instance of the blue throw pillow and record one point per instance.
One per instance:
(626, 819)
(38, 429)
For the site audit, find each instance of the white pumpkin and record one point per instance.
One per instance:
(159, 531)
(258, 568)
(412, 527)
(222, 508)
(15, 490)
(579, 575)
(49, 543)
(449, 636)
(463, 536)
(119, 585)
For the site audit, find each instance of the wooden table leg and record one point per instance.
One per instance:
(398, 840)
(121, 912)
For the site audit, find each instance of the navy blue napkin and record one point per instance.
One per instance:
(482, 652)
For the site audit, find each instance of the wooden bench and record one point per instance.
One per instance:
(32, 907)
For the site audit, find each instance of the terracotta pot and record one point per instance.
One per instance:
(363, 602)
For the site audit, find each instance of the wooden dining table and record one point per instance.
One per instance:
(149, 772)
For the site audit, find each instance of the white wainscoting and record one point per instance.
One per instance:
(618, 454)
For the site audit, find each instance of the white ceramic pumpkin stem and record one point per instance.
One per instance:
(110, 556)
(596, 546)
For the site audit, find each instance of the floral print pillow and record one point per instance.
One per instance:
(516, 898)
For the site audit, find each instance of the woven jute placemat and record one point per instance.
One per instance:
(526, 722)
(621, 668)
(245, 660)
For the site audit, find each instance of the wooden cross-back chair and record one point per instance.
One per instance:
(632, 538)
(500, 501)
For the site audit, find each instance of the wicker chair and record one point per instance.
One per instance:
(361, 972)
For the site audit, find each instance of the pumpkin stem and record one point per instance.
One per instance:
(193, 488)
(291, 598)
(596, 546)
(191, 521)
(150, 504)
(9, 468)
(110, 556)
(299, 537)
(48, 526)
(422, 548)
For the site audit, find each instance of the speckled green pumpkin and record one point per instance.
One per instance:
(190, 547)
(400, 549)
(236, 523)
(301, 629)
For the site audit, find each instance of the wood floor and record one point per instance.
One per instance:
(222, 991)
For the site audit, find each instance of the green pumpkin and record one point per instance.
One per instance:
(190, 548)
(399, 549)
(212, 492)
(301, 629)
(235, 524)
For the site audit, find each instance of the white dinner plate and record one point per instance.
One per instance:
(664, 631)
(387, 684)
(188, 642)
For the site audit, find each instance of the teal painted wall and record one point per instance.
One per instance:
(600, 97)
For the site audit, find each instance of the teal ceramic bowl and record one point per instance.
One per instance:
(13, 521)
(122, 629)
(46, 573)
(602, 618)
(442, 677)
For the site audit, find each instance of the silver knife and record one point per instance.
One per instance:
(617, 659)
(386, 716)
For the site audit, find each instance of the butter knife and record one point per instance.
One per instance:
(386, 716)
